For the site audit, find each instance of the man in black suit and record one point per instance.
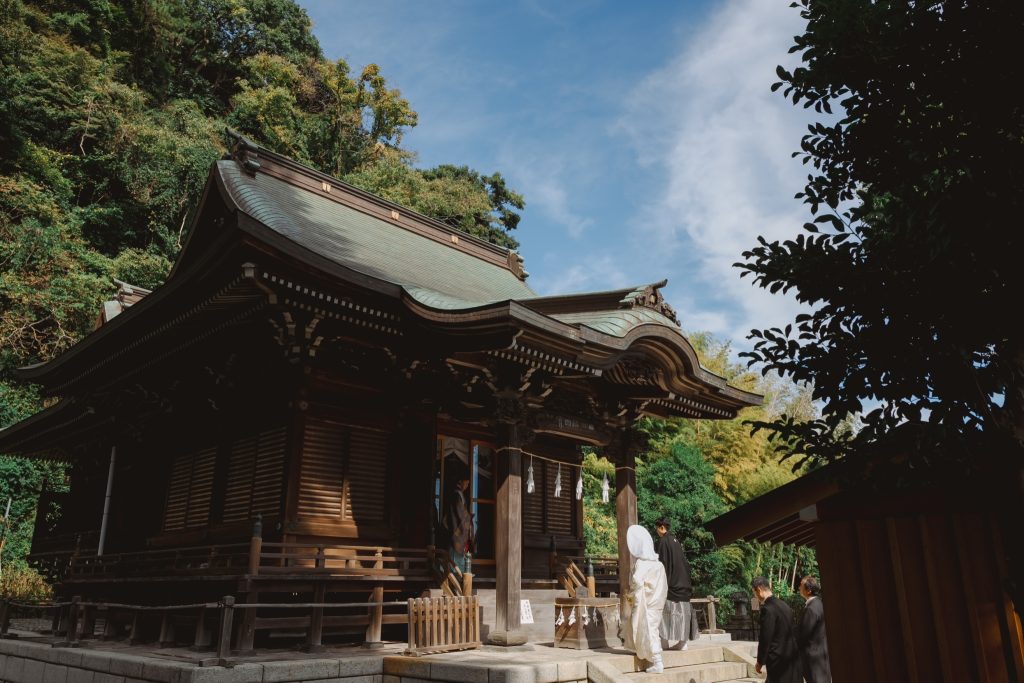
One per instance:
(776, 648)
(811, 635)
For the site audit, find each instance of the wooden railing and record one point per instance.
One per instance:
(443, 624)
(605, 571)
(207, 559)
(377, 562)
(435, 624)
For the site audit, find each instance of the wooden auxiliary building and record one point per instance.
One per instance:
(319, 357)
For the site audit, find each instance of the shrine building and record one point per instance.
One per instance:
(316, 366)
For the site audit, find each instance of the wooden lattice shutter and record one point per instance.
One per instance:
(176, 507)
(533, 503)
(367, 472)
(238, 492)
(321, 477)
(201, 490)
(560, 509)
(190, 490)
(269, 475)
(255, 471)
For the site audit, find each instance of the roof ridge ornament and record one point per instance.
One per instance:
(243, 150)
(517, 265)
(650, 296)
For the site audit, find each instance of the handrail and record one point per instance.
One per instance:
(77, 611)
(158, 551)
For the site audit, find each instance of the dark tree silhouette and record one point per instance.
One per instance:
(911, 266)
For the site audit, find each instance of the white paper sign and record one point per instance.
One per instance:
(525, 612)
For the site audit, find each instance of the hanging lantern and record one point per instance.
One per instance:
(530, 486)
(604, 489)
(558, 482)
(579, 486)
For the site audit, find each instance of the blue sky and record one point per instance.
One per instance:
(643, 135)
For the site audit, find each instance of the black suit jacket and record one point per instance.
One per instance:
(777, 648)
(677, 569)
(813, 646)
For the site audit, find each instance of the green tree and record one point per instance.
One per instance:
(916, 187)
(600, 531)
(111, 114)
(678, 486)
(911, 264)
(483, 206)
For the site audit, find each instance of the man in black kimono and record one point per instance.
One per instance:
(457, 518)
(776, 648)
(678, 621)
(811, 635)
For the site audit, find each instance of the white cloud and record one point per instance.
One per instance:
(587, 273)
(722, 142)
(543, 178)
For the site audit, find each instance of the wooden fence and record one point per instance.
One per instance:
(443, 624)
(435, 624)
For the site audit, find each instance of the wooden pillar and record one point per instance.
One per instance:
(625, 508)
(508, 543)
(247, 628)
(227, 616)
(376, 618)
(256, 545)
(315, 637)
(203, 637)
(246, 632)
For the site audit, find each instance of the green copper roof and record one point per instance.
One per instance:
(370, 245)
(439, 300)
(616, 323)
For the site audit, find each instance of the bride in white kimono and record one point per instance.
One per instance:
(647, 594)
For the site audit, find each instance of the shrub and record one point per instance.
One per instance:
(24, 584)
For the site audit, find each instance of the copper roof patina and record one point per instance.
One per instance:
(431, 271)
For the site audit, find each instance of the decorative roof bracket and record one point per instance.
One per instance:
(650, 297)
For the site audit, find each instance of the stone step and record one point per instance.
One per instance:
(672, 658)
(718, 672)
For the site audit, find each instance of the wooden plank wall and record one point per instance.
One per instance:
(915, 597)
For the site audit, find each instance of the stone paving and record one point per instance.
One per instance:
(32, 658)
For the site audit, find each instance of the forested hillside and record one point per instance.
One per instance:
(111, 113)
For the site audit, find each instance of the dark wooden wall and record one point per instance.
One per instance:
(913, 593)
